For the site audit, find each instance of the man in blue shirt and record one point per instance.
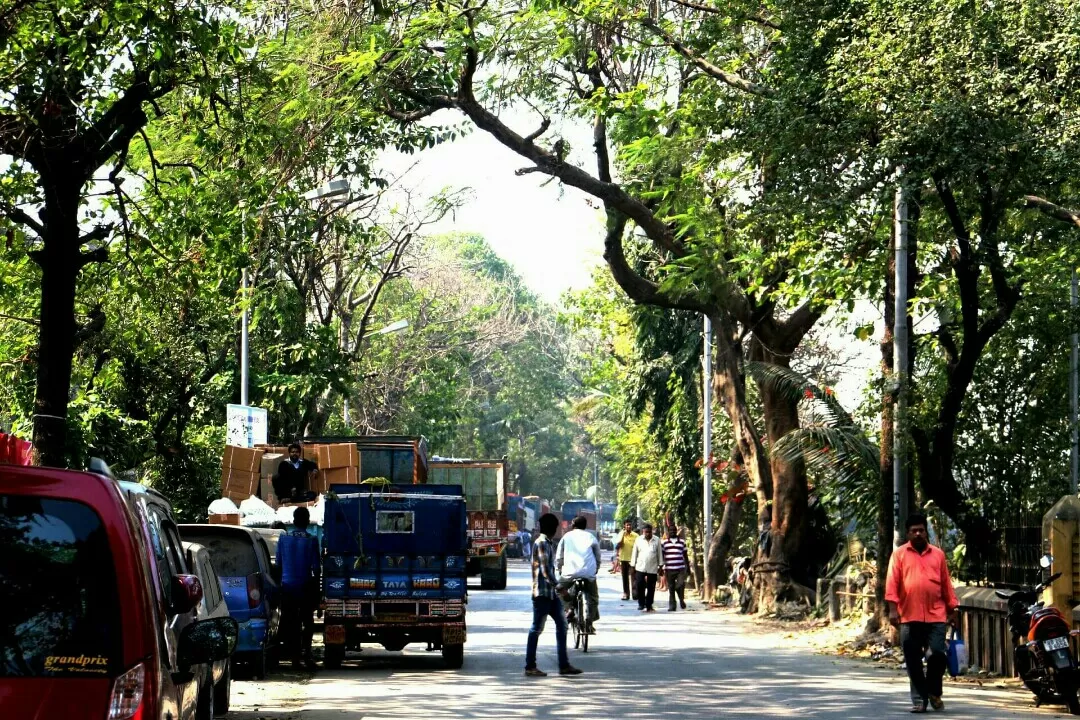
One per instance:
(298, 560)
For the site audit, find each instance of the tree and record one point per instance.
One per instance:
(79, 79)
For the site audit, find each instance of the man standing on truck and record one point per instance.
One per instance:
(546, 600)
(298, 559)
(293, 477)
(578, 557)
(624, 549)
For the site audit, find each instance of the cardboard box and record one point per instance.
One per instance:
(339, 476)
(224, 518)
(238, 485)
(246, 459)
(274, 449)
(270, 462)
(338, 455)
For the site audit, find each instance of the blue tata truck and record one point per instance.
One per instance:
(394, 569)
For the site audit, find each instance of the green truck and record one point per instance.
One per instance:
(484, 483)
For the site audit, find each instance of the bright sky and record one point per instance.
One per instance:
(550, 234)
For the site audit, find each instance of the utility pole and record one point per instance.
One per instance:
(244, 316)
(706, 440)
(1074, 391)
(900, 367)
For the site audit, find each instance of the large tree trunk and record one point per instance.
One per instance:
(786, 561)
(60, 263)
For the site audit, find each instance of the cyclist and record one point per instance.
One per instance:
(578, 558)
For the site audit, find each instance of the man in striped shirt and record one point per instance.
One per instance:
(546, 601)
(675, 568)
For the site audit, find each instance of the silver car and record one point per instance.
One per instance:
(212, 606)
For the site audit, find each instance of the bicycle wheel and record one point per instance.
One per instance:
(576, 627)
(583, 619)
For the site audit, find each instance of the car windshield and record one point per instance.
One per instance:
(58, 591)
(232, 553)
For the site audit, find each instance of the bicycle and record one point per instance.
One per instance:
(579, 619)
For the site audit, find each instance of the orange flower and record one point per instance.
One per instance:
(829, 391)
(808, 393)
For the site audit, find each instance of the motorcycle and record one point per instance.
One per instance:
(1042, 647)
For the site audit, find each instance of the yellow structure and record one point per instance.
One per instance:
(1061, 539)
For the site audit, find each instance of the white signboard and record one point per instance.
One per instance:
(245, 426)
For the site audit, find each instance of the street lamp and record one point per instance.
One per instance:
(396, 326)
(332, 189)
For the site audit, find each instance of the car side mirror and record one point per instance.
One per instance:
(207, 641)
(187, 592)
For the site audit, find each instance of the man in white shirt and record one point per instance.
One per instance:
(578, 557)
(647, 560)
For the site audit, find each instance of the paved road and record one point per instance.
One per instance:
(682, 666)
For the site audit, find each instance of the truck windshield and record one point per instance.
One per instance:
(58, 591)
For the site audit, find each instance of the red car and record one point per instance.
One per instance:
(98, 616)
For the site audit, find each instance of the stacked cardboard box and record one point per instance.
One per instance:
(338, 464)
(270, 462)
(240, 469)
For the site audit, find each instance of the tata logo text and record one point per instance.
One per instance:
(395, 584)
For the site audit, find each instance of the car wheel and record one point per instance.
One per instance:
(223, 691)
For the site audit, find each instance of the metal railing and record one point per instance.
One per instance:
(1014, 562)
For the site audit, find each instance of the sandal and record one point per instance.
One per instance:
(918, 707)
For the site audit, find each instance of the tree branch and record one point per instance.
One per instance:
(23, 218)
(718, 11)
(704, 65)
(1051, 210)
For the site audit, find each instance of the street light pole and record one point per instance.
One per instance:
(900, 366)
(706, 395)
(244, 315)
(335, 188)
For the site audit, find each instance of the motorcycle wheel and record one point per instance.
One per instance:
(1066, 687)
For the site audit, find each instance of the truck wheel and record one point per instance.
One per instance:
(333, 655)
(454, 656)
(486, 583)
(500, 579)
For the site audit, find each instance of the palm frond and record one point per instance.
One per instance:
(846, 453)
(799, 388)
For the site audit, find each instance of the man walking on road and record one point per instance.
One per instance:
(298, 558)
(647, 559)
(578, 557)
(624, 550)
(546, 600)
(921, 602)
(675, 568)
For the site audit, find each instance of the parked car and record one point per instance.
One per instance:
(99, 607)
(212, 606)
(249, 582)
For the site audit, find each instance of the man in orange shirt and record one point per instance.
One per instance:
(922, 602)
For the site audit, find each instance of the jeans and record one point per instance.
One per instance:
(297, 621)
(915, 638)
(646, 590)
(676, 585)
(627, 590)
(543, 608)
